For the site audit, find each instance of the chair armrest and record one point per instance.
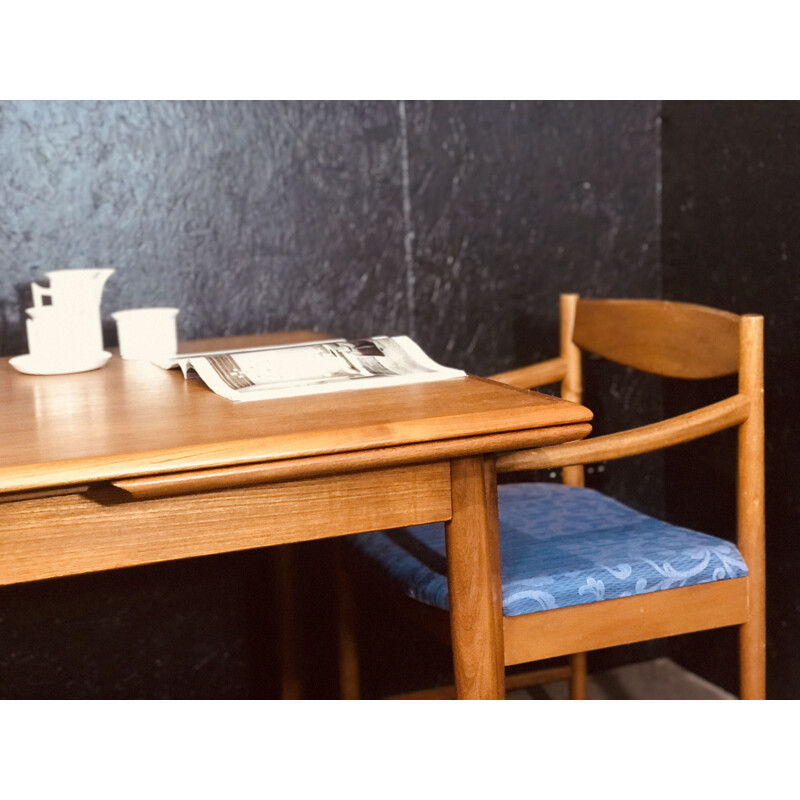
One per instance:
(683, 428)
(533, 375)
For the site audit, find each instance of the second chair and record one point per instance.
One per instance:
(579, 570)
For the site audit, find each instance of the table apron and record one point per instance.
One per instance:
(77, 533)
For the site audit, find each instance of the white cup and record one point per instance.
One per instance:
(58, 331)
(148, 334)
(58, 335)
(46, 334)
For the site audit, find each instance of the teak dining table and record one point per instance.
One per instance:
(132, 464)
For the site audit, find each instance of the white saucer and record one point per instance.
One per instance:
(39, 366)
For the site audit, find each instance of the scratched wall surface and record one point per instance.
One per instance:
(514, 203)
(456, 222)
(248, 216)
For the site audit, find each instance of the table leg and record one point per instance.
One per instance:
(473, 557)
(288, 605)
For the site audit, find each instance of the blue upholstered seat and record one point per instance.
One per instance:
(561, 546)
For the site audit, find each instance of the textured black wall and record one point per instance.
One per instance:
(456, 222)
(731, 239)
(435, 219)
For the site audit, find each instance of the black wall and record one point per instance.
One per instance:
(458, 223)
(731, 238)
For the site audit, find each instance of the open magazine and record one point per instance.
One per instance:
(312, 368)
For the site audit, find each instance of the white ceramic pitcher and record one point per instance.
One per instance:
(69, 327)
(72, 289)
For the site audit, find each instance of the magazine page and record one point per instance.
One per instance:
(313, 367)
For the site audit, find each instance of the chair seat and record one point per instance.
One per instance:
(561, 546)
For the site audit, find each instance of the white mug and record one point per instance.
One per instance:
(50, 334)
(148, 334)
(56, 329)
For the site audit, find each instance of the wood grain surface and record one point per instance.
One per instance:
(71, 534)
(132, 419)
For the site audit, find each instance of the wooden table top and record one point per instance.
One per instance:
(133, 418)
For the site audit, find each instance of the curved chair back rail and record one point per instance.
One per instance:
(676, 340)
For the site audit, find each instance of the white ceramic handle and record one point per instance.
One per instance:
(39, 292)
(33, 341)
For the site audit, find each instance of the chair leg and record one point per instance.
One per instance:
(349, 678)
(752, 661)
(577, 680)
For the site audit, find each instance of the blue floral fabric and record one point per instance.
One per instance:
(561, 546)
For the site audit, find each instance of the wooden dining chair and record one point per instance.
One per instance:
(581, 571)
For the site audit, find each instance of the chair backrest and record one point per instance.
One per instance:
(678, 340)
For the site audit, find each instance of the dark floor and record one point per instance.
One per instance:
(660, 679)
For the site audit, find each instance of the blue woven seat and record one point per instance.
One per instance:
(561, 546)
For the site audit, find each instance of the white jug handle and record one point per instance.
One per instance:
(39, 292)
(33, 342)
